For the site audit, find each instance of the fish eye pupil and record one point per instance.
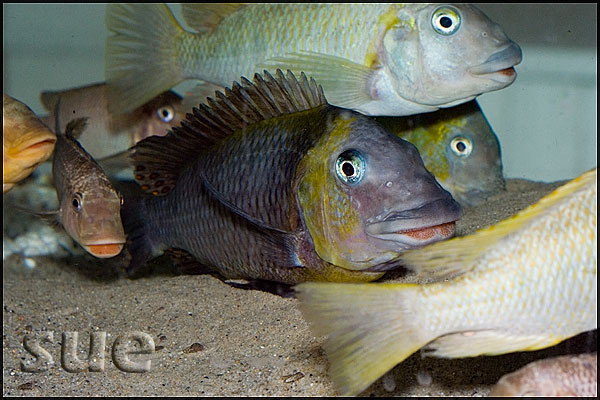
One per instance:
(76, 203)
(460, 146)
(165, 114)
(350, 167)
(347, 169)
(446, 22)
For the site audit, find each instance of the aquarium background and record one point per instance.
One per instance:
(546, 120)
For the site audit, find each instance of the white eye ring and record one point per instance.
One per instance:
(350, 167)
(446, 20)
(165, 114)
(461, 146)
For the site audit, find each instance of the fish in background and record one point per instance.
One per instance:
(26, 142)
(526, 283)
(109, 133)
(89, 206)
(270, 182)
(378, 59)
(458, 146)
(570, 375)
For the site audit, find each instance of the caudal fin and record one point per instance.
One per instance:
(369, 327)
(141, 54)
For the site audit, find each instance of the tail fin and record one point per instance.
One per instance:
(370, 327)
(139, 244)
(141, 54)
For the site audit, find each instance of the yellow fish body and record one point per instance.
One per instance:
(26, 142)
(523, 284)
(378, 59)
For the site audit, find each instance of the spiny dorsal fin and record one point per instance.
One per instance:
(204, 17)
(159, 159)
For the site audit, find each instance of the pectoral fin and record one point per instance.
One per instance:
(345, 82)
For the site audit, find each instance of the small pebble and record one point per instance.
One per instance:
(424, 378)
(29, 263)
(389, 383)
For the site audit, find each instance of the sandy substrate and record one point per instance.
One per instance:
(210, 339)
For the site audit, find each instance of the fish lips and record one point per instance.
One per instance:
(431, 222)
(499, 66)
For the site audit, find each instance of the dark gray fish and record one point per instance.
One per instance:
(270, 182)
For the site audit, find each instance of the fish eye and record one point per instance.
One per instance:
(350, 167)
(446, 20)
(77, 201)
(461, 146)
(165, 114)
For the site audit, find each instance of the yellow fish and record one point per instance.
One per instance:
(524, 284)
(377, 59)
(26, 142)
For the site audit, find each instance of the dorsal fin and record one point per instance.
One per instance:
(159, 159)
(75, 127)
(204, 17)
(50, 100)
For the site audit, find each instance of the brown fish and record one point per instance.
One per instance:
(26, 142)
(89, 206)
(571, 375)
(107, 134)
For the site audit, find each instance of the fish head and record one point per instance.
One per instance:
(158, 116)
(365, 195)
(474, 159)
(447, 55)
(26, 142)
(93, 218)
(460, 148)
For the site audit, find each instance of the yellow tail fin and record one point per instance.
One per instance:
(370, 328)
(141, 54)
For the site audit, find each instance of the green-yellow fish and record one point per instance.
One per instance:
(458, 146)
(378, 59)
(523, 284)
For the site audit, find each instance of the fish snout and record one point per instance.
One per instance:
(416, 227)
(101, 232)
(501, 63)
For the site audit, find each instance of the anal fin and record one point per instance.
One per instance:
(486, 342)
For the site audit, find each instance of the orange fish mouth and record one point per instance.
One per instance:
(106, 250)
(441, 231)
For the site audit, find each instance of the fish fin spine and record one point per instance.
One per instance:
(352, 316)
(159, 159)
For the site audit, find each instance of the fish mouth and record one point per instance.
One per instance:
(38, 148)
(499, 66)
(429, 223)
(104, 250)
